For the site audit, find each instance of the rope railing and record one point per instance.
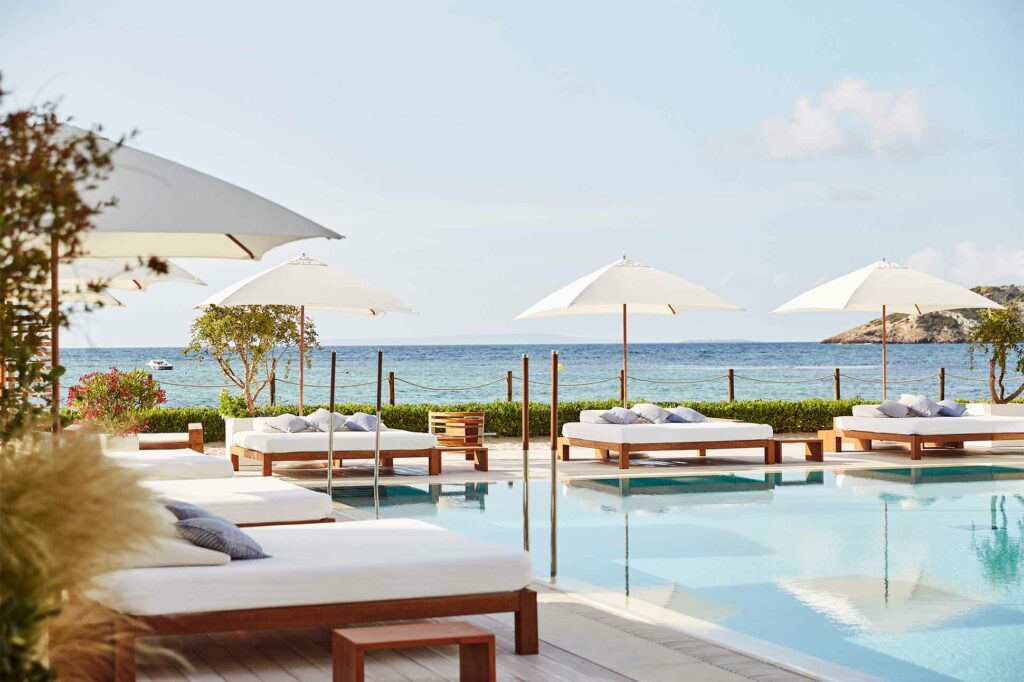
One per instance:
(309, 385)
(926, 377)
(827, 377)
(449, 388)
(677, 381)
(171, 383)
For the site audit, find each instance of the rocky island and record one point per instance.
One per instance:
(948, 326)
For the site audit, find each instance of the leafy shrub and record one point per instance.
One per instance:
(116, 402)
(504, 418)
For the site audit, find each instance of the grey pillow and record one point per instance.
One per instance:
(360, 421)
(186, 510)
(951, 408)
(891, 408)
(289, 423)
(620, 415)
(923, 407)
(221, 536)
(652, 413)
(322, 420)
(685, 415)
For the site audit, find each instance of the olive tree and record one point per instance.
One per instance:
(248, 342)
(1000, 336)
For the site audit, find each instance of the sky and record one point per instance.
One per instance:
(479, 155)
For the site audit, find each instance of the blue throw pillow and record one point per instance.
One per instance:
(951, 408)
(891, 408)
(187, 510)
(221, 536)
(360, 421)
(620, 415)
(684, 415)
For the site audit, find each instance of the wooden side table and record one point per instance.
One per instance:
(814, 448)
(476, 647)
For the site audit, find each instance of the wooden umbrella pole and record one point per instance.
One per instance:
(330, 431)
(885, 364)
(524, 428)
(554, 463)
(376, 440)
(625, 359)
(55, 330)
(302, 356)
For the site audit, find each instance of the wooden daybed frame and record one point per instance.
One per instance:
(602, 448)
(387, 457)
(127, 629)
(916, 442)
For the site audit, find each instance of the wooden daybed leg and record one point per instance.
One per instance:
(563, 447)
(195, 437)
(770, 448)
(601, 454)
(863, 444)
(481, 460)
(268, 464)
(234, 461)
(624, 456)
(434, 463)
(838, 443)
(704, 453)
(527, 635)
(915, 448)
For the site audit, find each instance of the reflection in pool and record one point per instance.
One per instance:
(899, 573)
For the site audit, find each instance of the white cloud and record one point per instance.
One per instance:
(850, 117)
(969, 264)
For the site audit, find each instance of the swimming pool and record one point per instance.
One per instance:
(904, 574)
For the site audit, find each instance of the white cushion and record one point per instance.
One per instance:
(173, 552)
(248, 499)
(329, 563)
(933, 426)
(592, 417)
(315, 441)
(667, 433)
(171, 464)
(263, 425)
(655, 414)
(869, 411)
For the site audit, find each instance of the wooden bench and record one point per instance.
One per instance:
(476, 647)
(814, 448)
(915, 442)
(460, 432)
(192, 440)
(387, 457)
(602, 449)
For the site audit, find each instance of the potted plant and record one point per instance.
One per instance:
(115, 404)
(1000, 337)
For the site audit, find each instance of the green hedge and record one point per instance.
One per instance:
(503, 418)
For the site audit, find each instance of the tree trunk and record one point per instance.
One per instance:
(992, 380)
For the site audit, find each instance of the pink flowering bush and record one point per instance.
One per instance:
(114, 401)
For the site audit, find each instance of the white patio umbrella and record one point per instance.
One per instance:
(627, 286)
(121, 273)
(308, 283)
(166, 210)
(891, 288)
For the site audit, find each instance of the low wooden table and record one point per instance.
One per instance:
(476, 647)
(814, 448)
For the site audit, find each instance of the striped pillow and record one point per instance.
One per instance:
(220, 535)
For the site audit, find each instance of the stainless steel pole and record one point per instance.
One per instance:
(330, 431)
(376, 443)
(554, 463)
(525, 430)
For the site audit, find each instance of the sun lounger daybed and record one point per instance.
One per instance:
(191, 439)
(250, 500)
(269, 447)
(158, 465)
(325, 575)
(712, 434)
(949, 432)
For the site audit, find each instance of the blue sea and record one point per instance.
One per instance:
(762, 370)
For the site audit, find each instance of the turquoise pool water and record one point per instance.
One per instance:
(905, 574)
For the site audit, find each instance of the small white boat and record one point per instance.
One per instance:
(160, 364)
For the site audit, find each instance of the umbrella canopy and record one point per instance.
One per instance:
(627, 286)
(308, 283)
(169, 210)
(121, 273)
(891, 288)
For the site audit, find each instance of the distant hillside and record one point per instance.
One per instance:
(949, 326)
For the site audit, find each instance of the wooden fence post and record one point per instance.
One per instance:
(942, 383)
(622, 385)
(273, 389)
(731, 376)
(391, 388)
(835, 384)
(508, 386)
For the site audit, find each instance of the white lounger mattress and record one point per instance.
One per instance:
(332, 563)
(392, 439)
(182, 463)
(700, 432)
(248, 499)
(932, 426)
